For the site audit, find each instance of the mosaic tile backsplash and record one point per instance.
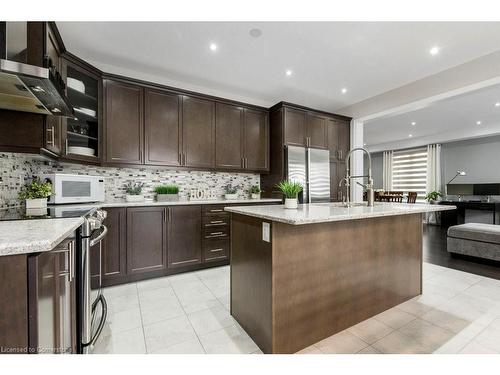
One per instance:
(17, 169)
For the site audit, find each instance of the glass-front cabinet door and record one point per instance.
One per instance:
(83, 132)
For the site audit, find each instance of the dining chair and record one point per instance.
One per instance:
(412, 197)
(397, 198)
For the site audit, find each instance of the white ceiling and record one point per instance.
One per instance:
(444, 121)
(368, 58)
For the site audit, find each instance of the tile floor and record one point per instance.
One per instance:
(189, 313)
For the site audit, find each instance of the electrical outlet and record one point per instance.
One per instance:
(266, 232)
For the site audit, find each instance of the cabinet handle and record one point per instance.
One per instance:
(217, 210)
(72, 260)
(216, 250)
(216, 221)
(179, 159)
(216, 235)
(66, 146)
(164, 215)
(52, 138)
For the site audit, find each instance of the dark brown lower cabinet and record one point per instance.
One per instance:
(184, 236)
(146, 242)
(146, 239)
(52, 300)
(337, 173)
(110, 259)
(38, 301)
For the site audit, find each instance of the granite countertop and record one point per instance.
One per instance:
(182, 202)
(37, 235)
(328, 212)
(33, 236)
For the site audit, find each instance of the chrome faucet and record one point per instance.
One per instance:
(348, 177)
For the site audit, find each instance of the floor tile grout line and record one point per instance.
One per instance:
(189, 320)
(142, 322)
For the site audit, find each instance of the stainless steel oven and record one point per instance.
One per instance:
(92, 303)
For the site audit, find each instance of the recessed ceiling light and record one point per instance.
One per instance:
(478, 122)
(213, 47)
(497, 104)
(434, 50)
(344, 90)
(255, 32)
(410, 135)
(364, 144)
(288, 72)
(413, 123)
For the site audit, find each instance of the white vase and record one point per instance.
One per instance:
(231, 196)
(291, 203)
(255, 195)
(134, 198)
(36, 203)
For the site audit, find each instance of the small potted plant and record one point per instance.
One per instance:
(167, 193)
(433, 197)
(134, 192)
(291, 192)
(231, 192)
(36, 193)
(255, 192)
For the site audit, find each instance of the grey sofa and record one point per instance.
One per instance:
(475, 239)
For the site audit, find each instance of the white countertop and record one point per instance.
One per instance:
(182, 202)
(33, 236)
(327, 212)
(37, 235)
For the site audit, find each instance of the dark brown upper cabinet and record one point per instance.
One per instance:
(124, 123)
(256, 140)
(316, 135)
(53, 124)
(229, 136)
(184, 236)
(338, 139)
(333, 139)
(344, 139)
(84, 130)
(162, 128)
(146, 239)
(30, 132)
(295, 127)
(198, 132)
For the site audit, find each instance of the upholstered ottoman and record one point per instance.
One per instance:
(475, 239)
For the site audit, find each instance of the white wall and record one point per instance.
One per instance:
(377, 169)
(480, 158)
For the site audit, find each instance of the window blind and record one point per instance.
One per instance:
(409, 171)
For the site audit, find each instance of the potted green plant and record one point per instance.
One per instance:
(255, 191)
(36, 193)
(167, 193)
(231, 192)
(291, 192)
(433, 197)
(134, 192)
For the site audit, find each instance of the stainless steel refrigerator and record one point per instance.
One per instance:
(311, 168)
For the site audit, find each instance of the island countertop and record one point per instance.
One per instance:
(327, 212)
(33, 236)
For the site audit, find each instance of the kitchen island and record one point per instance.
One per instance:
(299, 276)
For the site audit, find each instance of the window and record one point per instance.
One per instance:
(409, 171)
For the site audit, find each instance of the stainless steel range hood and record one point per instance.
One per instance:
(29, 88)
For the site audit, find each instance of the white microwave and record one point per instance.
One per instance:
(70, 188)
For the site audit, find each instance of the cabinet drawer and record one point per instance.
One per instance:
(215, 249)
(215, 221)
(217, 232)
(214, 209)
